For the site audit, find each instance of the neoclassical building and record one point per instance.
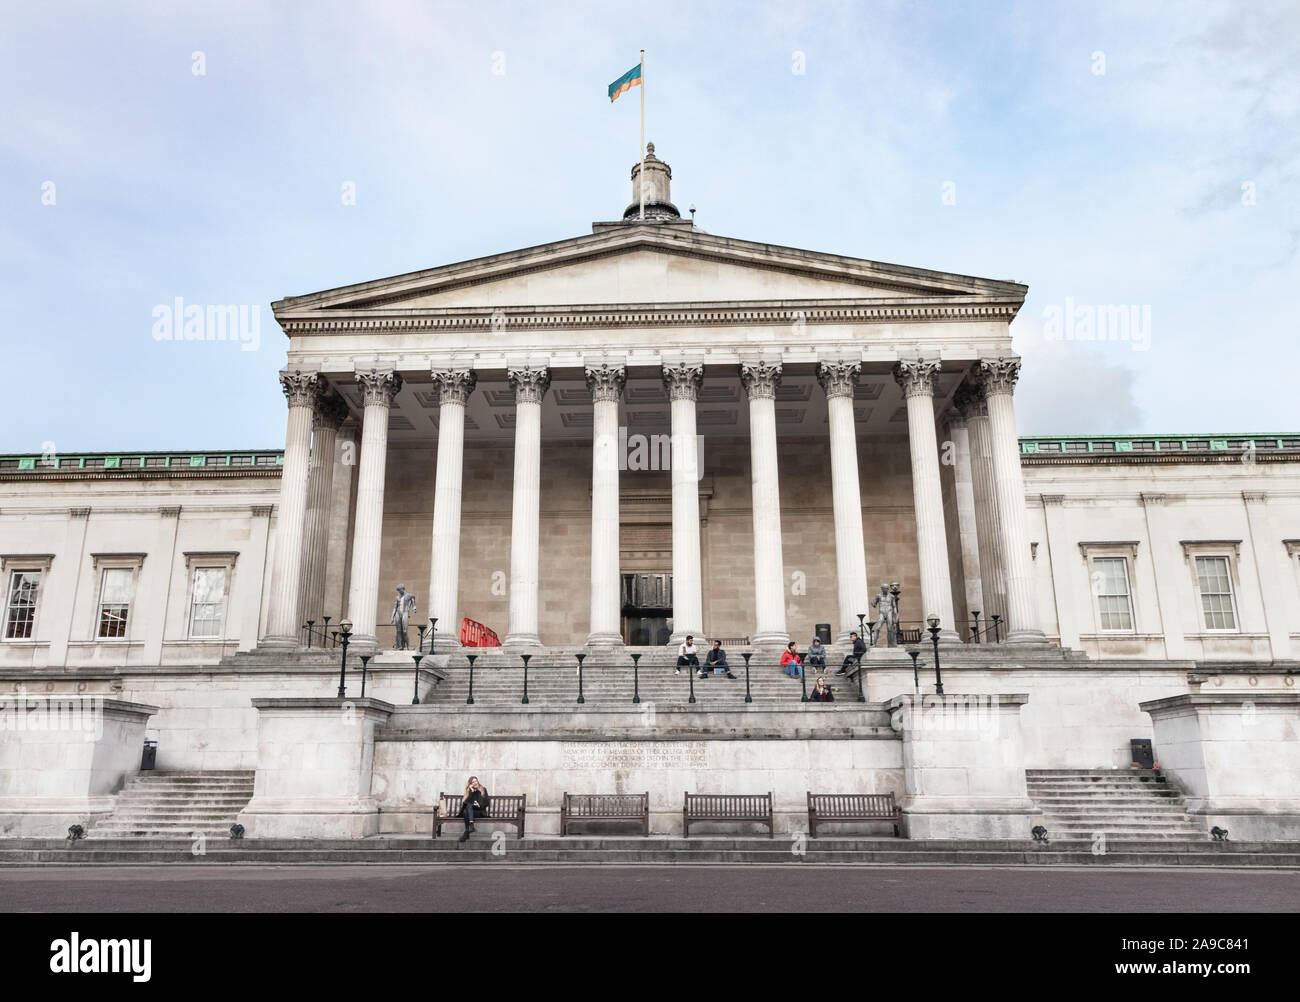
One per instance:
(645, 432)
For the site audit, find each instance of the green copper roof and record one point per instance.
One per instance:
(135, 462)
(1046, 445)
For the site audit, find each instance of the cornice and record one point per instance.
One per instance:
(496, 320)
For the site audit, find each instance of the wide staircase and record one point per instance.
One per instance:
(1125, 805)
(608, 679)
(177, 805)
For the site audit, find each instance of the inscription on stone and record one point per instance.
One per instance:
(632, 755)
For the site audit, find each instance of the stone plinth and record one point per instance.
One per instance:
(1236, 758)
(963, 766)
(314, 767)
(64, 758)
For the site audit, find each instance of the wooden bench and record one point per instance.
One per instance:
(502, 810)
(755, 807)
(605, 807)
(834, 807)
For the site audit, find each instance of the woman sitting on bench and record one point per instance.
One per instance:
(476, 799)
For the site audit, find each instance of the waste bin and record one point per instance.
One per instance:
(1142, 754)
(824, 632)
(150, 755)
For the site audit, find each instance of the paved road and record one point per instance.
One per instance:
(697, 888)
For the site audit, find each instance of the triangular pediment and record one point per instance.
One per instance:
(662, 264)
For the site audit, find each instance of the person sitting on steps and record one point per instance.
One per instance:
(717, 660)
(473, 804)
(859, 649)
(816, 657)
(791, 664)
(821, 692)
(687, 655)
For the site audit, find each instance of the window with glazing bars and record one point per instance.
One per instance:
(1216, 593)
(20, 609)
(1114, 602)
(114, 601)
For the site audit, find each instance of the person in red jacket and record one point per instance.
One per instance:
(791, 662)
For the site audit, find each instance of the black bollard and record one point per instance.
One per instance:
(526, 658)
(365, 660)
(747, 655)
(471, 658)
(636, 678)
(580, 657)
(417, 658)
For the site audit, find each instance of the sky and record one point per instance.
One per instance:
(1136, 164)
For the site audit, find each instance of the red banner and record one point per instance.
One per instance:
(474, 634)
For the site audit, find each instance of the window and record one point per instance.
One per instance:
(1110, 582)
(114, 601)
(1212, 576)
(20, 608)
(208, 604)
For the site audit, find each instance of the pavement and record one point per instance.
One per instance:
(754, 888)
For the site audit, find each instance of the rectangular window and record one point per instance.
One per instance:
(1216, 593)
(209, 602)
(114, 601)
(20, 609)
(1110, 575)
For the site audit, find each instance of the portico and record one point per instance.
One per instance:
(835, 399)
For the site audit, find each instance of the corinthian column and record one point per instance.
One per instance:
(378, 388)
(454, 387)
(330, 413)
(969, 401)
(301, 389)
(998, 377)
(530, 386)
(838, 379)
(606, 385)
(760, 380)
(917, 379)
(683, 384)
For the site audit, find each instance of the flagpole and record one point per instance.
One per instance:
(641, 173)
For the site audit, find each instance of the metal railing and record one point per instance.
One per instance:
(319, 634)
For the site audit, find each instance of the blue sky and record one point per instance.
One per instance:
(1169, 181)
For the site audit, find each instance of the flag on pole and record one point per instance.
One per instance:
(626, 82)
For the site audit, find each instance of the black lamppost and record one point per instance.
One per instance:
(346, 627)
(419, 644)
(934, 639)
(526, 658)
(417, 658)
(310, 624)
(433, 631)
(862, 628)
(862, 696)
(913, 653)
(747, 655)
(975, 630)
(471, 659)
(580, 657)
(325, 629)
(997, 636)
(691, 670)
(803, 682)
(365, 661)
(636, 678)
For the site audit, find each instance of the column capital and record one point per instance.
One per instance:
(999, 375)
(683, 381)
(379, 386)
(301, 389)
(838, 378)
(454, 385)
(969, 401)
(760, 379)
(606, 381)
(529, 383)
(330, 411)
(917, 376)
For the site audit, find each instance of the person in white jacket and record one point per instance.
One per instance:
(687, 655)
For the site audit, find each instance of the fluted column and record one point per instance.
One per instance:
(330, 413)
(606, 385)
(454, 387)
(998, 377)
(838, 379)
(301, 389)
(967, 530)
(378, 388)
(530, 386)
(683, 384)
(969, 400)
(760, 380)
(917, 378)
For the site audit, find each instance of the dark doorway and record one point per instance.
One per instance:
(647, 609)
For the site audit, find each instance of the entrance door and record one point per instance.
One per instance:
(647, 609)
